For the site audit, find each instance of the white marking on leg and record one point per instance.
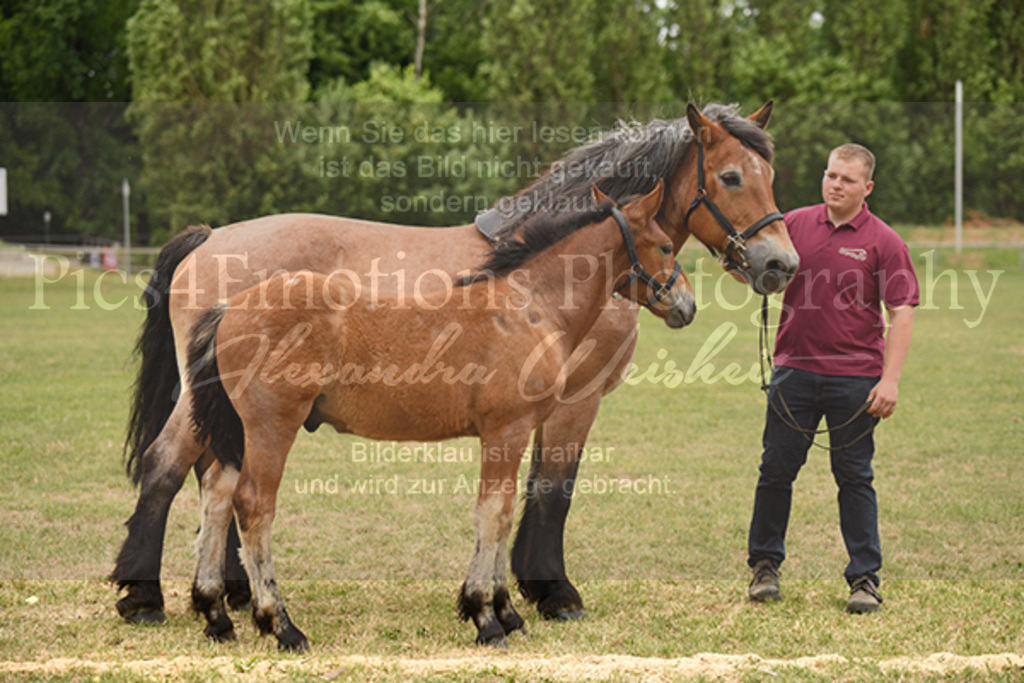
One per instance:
(217, 490)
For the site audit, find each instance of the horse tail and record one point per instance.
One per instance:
(214, 418)
(157, 384)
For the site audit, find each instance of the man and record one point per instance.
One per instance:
(833, 359)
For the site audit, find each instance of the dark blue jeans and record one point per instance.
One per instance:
(810, 397)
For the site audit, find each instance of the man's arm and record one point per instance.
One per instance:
(883, 397)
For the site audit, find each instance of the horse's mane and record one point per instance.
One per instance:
(537, 234)
(628, 160)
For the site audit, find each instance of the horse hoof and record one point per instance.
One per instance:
(563, 614)
(218, 636)
(292, 640)
(145, 618)
(512, 622)
(300, 645)
(496, 642)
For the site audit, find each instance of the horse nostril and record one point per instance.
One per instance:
(781, 266)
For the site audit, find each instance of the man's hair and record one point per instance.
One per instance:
(852, 150)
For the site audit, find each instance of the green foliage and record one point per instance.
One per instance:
(349, 36)
(64, 50)
(214, 159)
(224, 162)
(541, 51)
(205, 51)
(627, 61)
(67, 159)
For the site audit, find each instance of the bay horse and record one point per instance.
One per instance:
(306, 348)
(715, 155)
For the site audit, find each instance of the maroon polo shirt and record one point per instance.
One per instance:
(832, 321)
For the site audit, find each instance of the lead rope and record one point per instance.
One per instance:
(765, 354)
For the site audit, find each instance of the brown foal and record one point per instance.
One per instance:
(488, 357)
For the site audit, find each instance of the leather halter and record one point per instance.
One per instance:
(736, 251)
(636, 270)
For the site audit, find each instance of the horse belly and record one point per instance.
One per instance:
(398, 413)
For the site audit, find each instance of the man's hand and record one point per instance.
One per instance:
(882, 399)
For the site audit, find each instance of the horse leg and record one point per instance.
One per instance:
(255, 501)
(164, 469)
(507, 614)
(239, 595)
(484, 596)
(235, 579)
(538, 559)
(537, 556)
(208, 589)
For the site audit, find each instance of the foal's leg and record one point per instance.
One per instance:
(208, 589)
(484, 597)
(538, 558)
(164, 468)
(255, 500)
(236, 581)
(507, 615)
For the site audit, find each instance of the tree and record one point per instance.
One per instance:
(540, 51)
(627, 60)
(67, 159)
(351, 35)
(204, 74)
(64, 50)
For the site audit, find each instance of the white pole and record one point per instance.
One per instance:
(126, 191)
(958, 175)
(3, 191)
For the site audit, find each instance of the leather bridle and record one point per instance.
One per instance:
(736, 251)
(636, 270)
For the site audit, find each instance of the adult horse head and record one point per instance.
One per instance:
(732, 169)
(717, 170)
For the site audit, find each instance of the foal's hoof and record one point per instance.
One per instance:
(292, 640)
(498, 642)
(219, 636)
(511, 621)
(492, 635)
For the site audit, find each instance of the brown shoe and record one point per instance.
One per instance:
(765, 584)
(864, 596)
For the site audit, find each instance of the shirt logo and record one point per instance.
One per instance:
(857, 254)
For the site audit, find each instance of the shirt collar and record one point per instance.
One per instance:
(858, 221)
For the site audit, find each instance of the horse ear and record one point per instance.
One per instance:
(700, 124)
(763, 115)
(652, 202)
(598, 195)
(695, 118)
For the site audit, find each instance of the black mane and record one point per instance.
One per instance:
(537, 234)
(627, 161)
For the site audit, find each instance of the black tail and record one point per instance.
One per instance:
(156, 386)
(214, 418)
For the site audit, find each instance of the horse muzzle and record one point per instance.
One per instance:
(681, 308)
(768, 267)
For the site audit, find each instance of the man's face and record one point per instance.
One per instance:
(845, 186)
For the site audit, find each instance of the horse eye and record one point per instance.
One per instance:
(666, 250)
(731, 179)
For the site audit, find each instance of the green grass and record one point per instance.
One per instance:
(661, 565)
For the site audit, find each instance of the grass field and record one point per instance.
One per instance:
(370, 554)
